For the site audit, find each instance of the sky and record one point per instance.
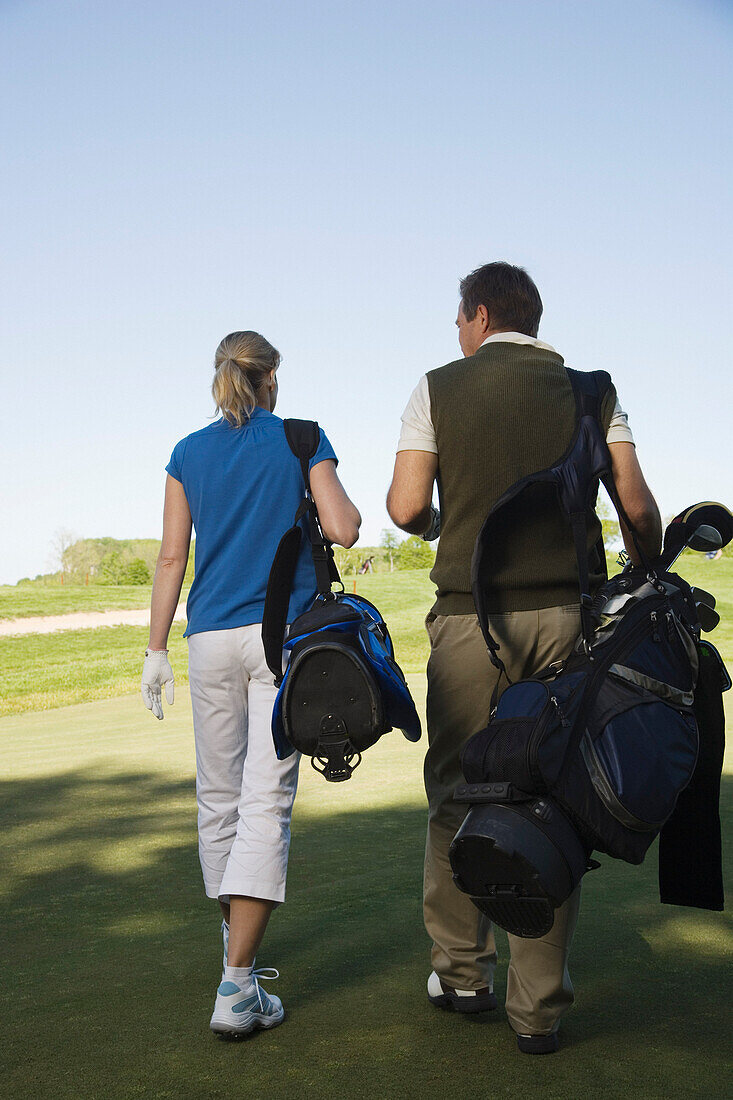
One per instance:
(325, 173)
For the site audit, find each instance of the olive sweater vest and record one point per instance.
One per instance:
(499, 415)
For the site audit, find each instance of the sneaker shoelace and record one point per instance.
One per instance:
(267, 974)
(225, 941)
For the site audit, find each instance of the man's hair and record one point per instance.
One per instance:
(512, 300)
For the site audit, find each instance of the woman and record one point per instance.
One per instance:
(239, 484)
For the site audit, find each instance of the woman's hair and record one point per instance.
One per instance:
(242, 363)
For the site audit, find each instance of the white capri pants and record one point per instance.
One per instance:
(245, 794)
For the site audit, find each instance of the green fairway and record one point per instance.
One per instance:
(22, 601)
(41, 671)
(112, 953)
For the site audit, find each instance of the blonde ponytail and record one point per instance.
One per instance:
(242, 363)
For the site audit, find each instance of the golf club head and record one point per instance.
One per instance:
(707, 617)
(704, 539)
(683, 526)
(699, 595)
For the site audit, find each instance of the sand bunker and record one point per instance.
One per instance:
(81, 620)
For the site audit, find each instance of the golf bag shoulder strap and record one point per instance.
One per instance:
(575, 477)
(303, 437)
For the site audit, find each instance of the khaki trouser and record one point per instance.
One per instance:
(461, 679)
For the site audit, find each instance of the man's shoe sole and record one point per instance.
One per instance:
(538, 1044)
(453, 1003)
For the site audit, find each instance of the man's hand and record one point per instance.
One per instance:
(157, 673)
(433, 531)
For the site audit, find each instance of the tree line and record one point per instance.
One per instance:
(103, 561)
(108, 561)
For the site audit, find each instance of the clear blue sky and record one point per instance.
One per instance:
(325, 173)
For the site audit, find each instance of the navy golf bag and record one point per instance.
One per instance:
(593, 752)
(342, 688)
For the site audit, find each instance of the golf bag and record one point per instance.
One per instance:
(342, 688)
(593, 752)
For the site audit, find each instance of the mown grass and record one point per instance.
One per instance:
(42, 671)
(23, 601)
(112, 953)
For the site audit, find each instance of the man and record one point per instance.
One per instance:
(478, 425)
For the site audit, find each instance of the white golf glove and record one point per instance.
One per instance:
(157, 673)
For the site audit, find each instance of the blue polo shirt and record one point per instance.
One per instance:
(243, 486)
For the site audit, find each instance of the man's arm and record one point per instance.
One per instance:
(411, 492)
(636, 500)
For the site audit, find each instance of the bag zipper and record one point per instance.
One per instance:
(543, 721)
(655, 627)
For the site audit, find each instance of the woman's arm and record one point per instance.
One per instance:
(171, 565)
(340, 519)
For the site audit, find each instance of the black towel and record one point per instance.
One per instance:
(690, 858)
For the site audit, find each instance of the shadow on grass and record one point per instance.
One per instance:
(107, 935)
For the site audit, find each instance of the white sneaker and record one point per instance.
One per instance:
(460, 1000)
(239, 1010)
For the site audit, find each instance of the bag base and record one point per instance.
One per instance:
(518, 862)
(331, 705)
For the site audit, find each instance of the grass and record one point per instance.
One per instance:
(42, 671)
(113, 953)
(24, 601)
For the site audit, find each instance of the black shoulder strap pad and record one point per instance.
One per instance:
(589, 388)
(303, 437)
(277, 598)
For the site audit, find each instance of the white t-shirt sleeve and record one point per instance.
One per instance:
(619, 430)
(418, 433)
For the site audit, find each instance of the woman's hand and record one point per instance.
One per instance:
(157, 673)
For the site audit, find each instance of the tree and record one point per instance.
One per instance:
(347, 560)
(389, 542)
(111, 567)
(135, 572)
(62, 542)
(414, 553)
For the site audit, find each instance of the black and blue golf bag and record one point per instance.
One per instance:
(342, 688)
(593, 753)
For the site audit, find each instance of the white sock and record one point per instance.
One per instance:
(240, 975)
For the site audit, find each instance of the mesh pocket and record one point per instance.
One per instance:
(499, 753)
